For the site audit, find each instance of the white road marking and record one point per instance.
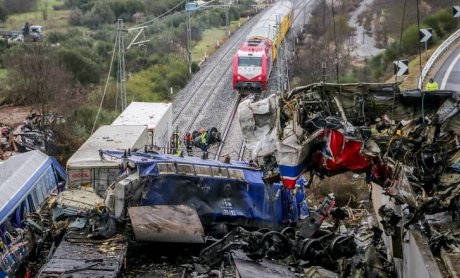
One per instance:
(449, 70)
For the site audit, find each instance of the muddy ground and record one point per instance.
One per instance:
(14, 115)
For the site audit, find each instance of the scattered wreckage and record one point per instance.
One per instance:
(26, 182)
(406, 142)
(31, 135)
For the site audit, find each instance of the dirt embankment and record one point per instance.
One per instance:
(14, 115)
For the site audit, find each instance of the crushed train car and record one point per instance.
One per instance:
(26, 181)
(221, 193)
(406, 142)
(330, 128)
(86, 240)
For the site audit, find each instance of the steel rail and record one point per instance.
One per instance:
(209, 71)
(242, 150)
(228, 125)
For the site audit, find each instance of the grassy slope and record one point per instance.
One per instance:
(208, 44)
(57, 20)
(411, 80)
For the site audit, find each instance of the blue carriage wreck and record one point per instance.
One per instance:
(221, 193)
(26, 181)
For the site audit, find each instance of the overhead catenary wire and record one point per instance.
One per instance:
(142, 25)
(106, 83)
(399, 56)
(420, 60)
(335, 44)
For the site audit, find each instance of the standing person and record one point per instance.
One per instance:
(188, 142)
(432, 85)
(26, 29)
(204, 143)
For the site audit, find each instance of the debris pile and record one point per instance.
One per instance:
(31, 135)
(86, 241)
(406, 142)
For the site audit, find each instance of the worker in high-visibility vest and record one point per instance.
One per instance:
(432, 85)
(204, 143)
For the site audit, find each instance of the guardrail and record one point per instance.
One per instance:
(436, 55)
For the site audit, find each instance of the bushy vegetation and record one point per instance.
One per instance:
(76, 57)
(19, 6)
(432, 16)
(155, 82)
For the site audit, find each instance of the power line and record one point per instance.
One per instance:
(399, 56)
(419, 45)
(335, 43)
(106, 83)
(158, 17)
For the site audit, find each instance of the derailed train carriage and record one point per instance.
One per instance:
(26, 181)
(234, 193)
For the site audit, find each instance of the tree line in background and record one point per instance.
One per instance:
(69, 69)
(8, 7)
(382, 20)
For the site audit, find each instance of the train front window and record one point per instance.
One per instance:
(249, 61)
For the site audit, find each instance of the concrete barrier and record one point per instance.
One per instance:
(408, 250)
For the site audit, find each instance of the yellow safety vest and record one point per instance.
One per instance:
(203, 138)
(432, 86)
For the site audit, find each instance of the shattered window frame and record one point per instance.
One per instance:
(220, 172)
(203, 170)
(102, 182)
(33, 194)
(237, 174)
(185, 169)
(30, 206)
(166, 168)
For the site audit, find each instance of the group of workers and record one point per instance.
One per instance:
(189, 142)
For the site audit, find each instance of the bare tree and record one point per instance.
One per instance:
(36, 78)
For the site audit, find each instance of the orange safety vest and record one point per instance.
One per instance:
(188, 139)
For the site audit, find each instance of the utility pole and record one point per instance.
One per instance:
(227, 23)
(323, 67)
(189, 42)
(121, 64)
(279, 61)
(286, 60)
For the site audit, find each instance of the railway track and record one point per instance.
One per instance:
(208, 101)
(192, 99)
(233, 144)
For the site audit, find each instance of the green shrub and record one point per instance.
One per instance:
(83, 117)
(411, 40)
(85, 70)
(76, 17)
(154, 83)
(56, 37)
(3, 12)
(126, 8)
